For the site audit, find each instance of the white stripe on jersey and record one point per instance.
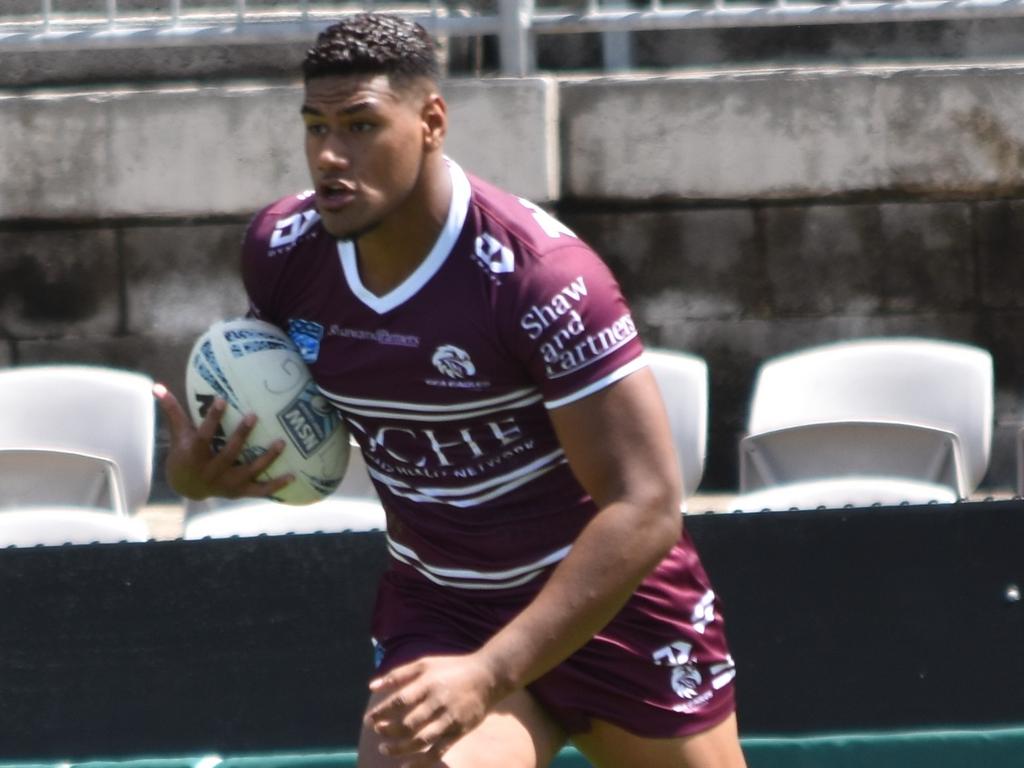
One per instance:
(455, 413)
(611, 378)
(465, 578)
(413, 495)
(420, 407)
(556, 456)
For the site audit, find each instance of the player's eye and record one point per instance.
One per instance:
(316, 129)
(361, 126)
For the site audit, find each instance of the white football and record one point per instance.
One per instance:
(256, 368)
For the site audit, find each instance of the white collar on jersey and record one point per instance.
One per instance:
(435, 259)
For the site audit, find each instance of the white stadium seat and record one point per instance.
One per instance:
(354, 506)
(83, 409)
(836, 493)
(74, 440)
(54, 526)
(257, 517)
(38, 478)
(883, 420)
(812, 451)
(683, 381)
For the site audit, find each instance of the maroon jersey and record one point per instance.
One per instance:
(446, 381)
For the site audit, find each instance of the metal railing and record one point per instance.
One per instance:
(56, 24)
(236, 21)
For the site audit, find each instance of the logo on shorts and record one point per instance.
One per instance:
(674, 655)
(703, 612)
(692, 681)
(453, 362)
(686, 680)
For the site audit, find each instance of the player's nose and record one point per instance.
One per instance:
(333, 155)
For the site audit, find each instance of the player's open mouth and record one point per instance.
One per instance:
(332, 195)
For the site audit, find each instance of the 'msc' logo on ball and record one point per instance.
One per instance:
(309, 420)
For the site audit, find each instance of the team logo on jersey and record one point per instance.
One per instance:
(496, 257)
(288, 230)
(307, 336)
(453, 362)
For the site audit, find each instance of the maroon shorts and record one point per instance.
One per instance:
(660, 669)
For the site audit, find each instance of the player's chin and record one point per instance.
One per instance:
(344, 228)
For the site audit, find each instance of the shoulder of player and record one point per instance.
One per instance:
(282, 222)
(535, 239)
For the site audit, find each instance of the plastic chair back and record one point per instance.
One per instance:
(55, 526)
(40, 478)
(256, 517)
(100, 412)
(837, 493)
(683, 381)
(924, 382)
(845, 449)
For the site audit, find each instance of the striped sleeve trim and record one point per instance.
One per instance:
(619, 373)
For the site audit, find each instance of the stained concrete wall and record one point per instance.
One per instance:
(747, 214)
(780, 135)
(187, 150)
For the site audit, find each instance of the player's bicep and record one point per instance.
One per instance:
(618, 443)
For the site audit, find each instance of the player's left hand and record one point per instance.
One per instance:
(429, 704)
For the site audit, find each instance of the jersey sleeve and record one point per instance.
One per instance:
(272, 236)
(571, 325)
(259, 271)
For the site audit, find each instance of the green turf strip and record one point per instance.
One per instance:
(1001, 747)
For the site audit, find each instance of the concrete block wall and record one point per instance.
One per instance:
(740, 284)
(201, 151)
(747, 214)
(753, 213)
(947, 131)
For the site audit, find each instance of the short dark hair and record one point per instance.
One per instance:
(373, 43)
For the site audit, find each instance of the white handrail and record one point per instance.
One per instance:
(516, 23)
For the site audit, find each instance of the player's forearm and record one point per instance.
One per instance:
(612, 555)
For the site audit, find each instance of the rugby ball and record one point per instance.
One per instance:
(256, 368)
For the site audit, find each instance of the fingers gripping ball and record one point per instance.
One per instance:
(255, 368)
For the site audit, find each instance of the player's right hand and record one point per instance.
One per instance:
(197, 470)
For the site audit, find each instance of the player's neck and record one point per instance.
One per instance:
(389, 254)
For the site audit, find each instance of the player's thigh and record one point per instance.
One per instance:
(518, 733)
(609, 746)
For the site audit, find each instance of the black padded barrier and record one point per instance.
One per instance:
(872, 619)
(840, 620)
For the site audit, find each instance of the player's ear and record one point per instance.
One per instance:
(435, 121)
